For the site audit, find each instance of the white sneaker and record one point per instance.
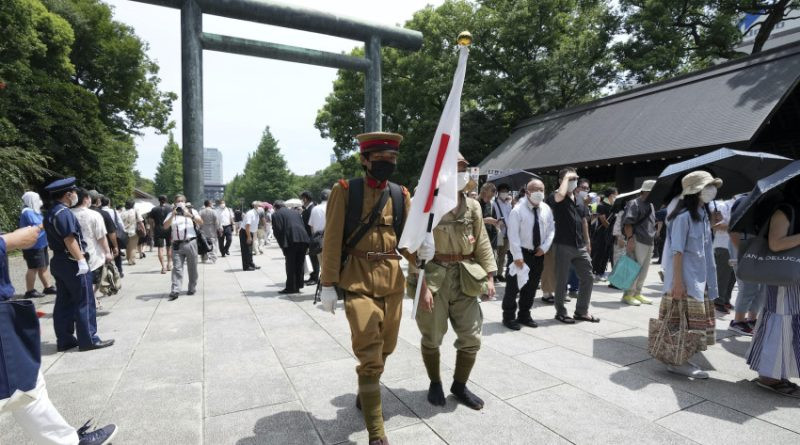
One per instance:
(688, 370)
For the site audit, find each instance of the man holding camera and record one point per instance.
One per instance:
(184, 244)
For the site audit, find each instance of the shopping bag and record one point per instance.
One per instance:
(670, 343)
(757, 263)
(625, 272)
(20, 347)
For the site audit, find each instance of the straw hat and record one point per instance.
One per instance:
(695, 182)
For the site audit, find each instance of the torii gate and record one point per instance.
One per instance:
(194, 41)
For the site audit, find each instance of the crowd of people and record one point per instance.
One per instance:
(562, 241)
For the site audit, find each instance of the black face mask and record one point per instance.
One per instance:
(382, 170)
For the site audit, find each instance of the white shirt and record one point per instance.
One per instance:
(721, 237)
(114, 215)
(93, 229)
(251, 217)
(520, 227)
(182, 225)
(317, 219)
(502, 210)
(225, 216)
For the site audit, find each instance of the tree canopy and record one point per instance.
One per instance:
(169, 173)
(75, 86)
(266, 176)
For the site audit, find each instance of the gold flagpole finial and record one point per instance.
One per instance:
(465, 38)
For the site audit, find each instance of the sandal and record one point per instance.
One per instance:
(784, 388)
(549, 300)
(587, 317)
(565, 319)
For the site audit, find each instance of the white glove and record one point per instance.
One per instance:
(427, 250)
(83, 267)
(328, 298)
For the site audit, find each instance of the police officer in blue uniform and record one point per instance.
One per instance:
(74, 310)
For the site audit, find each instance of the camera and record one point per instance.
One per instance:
(179, 210)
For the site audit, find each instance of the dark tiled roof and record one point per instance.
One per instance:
(725, 105)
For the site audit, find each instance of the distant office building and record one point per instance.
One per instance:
(212, 166)
(785, 31)
(213, 186)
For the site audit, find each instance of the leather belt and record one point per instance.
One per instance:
(374, 256)
(452, 258)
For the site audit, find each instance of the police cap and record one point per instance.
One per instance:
(62, 185)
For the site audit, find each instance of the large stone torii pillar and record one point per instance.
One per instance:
(194, 41)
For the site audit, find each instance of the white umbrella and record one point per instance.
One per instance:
(143, 207)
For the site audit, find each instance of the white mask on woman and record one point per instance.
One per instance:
(708, 194)
(462, 179)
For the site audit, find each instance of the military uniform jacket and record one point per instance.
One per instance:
(372, 278)
(462, 232)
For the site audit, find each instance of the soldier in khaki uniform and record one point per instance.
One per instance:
(371, 277)
(461, 271)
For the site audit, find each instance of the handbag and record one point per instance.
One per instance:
(624, 273)
(672, 344)
(20, 347)
(315, 246)
(759, 264)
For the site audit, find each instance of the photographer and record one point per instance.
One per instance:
(184, 244)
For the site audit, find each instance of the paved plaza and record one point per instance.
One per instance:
(237, 363)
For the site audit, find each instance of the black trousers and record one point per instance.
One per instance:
(225, 240)
(526, 294)
(247, 253)
(314, 276)
(295, 256)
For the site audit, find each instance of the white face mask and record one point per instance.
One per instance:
(503, 196)
(572, 185)
(180, 205)
(582, 196)
(74, 200)
(708, 194)
(536, 198)
(462, 179)
(222, 206)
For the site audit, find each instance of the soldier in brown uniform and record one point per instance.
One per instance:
(461, 271)
(368, 272)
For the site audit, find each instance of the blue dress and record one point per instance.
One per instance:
(775, 350)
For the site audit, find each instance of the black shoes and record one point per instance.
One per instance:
(50, 290)
(512, 324)
(99, 436)
(66, 348)
(436, 394)
(191, 292)
(466, 396)
(288, 291)
(310, 282)
(99, 345)
(529, 323)
(173, 296)
(32, 294)
(252, 268)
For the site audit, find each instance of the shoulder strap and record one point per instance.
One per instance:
(398, 209)
(373, 217)
(355, 203)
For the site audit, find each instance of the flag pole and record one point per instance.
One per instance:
(421, 273)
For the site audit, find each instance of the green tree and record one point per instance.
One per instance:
(667, 37)
(327, 177)
(528, 57)
(146, 185)
(266, 176)
(169, 173)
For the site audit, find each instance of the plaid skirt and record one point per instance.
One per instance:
(699, 314)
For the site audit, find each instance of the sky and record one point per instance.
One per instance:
(242, 95)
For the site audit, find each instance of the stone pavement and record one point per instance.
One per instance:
(238, 363)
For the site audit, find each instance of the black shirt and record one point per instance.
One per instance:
(487, 211)
(158, 214)
(108, 221)
(568, 218)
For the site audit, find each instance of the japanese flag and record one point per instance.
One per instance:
(437, 193)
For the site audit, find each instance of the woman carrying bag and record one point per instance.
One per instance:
(776, 338)
(686, 317)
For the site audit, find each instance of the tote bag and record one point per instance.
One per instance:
(20, 347)
(625, 272)
(672, 344)
(759, 264)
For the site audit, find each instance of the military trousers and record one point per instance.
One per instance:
(462, 311)
(374, 324)
(74, 311)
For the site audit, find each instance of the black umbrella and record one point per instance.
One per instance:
(516, 179)
(753, 212)
(739, 171)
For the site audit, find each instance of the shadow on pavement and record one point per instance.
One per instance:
(148, 297)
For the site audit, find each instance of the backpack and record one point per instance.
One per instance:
(355, 203)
